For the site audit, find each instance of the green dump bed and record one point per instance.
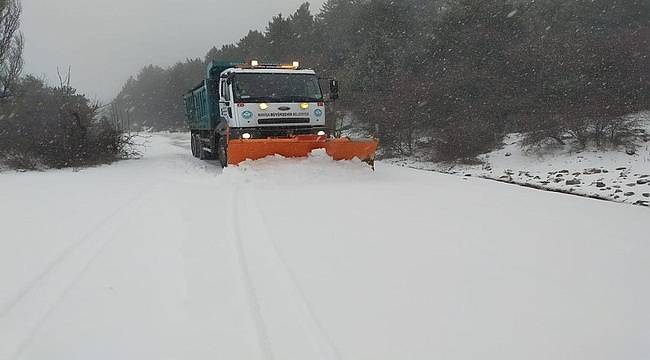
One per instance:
(202, 103)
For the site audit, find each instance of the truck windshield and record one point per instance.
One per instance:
(276, 88)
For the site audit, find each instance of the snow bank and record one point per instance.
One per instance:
(606, 174)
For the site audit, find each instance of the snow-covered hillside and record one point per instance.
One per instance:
(169, 257)
(599, 173)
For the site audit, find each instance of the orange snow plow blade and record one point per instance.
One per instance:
(348, 149)
(301, 146)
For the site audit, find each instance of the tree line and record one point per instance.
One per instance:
(448, 77)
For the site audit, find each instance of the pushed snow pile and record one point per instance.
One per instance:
(315, 169)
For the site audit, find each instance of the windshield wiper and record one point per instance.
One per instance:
(280, 99)
(303, 98)
(253, 99)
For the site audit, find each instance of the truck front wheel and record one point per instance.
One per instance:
(222, 151)
(203, 155)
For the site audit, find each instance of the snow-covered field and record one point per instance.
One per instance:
(168, 257)
(599, 173)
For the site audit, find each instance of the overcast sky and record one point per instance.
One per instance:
(106, 41)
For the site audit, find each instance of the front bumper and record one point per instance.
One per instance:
(276, 131)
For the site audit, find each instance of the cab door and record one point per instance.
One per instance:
(225, 102)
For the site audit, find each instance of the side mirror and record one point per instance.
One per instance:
(231, 78)
(334, 89)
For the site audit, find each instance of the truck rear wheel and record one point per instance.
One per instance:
(222, 151)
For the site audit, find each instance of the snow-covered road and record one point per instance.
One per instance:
(168, 257)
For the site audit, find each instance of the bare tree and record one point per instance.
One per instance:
(65, 83)
(11, 45)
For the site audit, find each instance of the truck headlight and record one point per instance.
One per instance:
(321, 133)
(246, 136)
(264, 106)
(304, 106)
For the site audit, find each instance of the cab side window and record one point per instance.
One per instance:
(224, 90)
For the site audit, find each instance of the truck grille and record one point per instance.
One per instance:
(283, 121)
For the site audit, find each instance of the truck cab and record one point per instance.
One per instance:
(271, 101)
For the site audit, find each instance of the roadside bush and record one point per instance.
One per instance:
(43, 126)
(581, 132)
(464, 139)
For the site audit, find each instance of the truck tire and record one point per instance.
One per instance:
(222, 151)
(194, 146)
(203, 155)
(213, 149)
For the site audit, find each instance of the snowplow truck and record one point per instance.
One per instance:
(248, 111)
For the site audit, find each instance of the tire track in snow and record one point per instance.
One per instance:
(72, 280)
(15, 300)
(261, 328)
(51, 266)
(284, 286)
(321, 337)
